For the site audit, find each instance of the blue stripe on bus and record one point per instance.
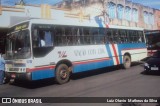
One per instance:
(91, 66)
(42, 74)
(131, 46)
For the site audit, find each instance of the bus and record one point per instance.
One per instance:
(152, 41)
(39, 48)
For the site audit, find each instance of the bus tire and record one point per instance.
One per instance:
(126, 61)
(62, 74)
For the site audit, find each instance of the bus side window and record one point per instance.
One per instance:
(42, 41)
(67, 36)
(102, 37)
(128, 36)
(48, 38)
(80, 35)
(77, 36)
(59, 34)
(118, 36)
(136, 37)
(123, 36)
(94, 35)
(141, 37)
(86, 36)
(132, 36)
(109, 36)
(115, 36)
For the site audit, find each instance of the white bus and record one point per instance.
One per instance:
(39, 49)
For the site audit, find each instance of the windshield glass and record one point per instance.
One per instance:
(153, 41)
(18, 45)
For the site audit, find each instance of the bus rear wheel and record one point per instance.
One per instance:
(62, 74)
(126, 61)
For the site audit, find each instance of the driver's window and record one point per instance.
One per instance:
(47, 38)
(42, 38)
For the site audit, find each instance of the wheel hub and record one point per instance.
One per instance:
(63, 73)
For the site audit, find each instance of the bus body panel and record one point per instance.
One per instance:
(113, 57)
(83, 57)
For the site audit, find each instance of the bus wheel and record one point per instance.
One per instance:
(62, 74)
(126, 61)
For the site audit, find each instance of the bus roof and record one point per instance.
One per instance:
(77, 22)
(149, 32)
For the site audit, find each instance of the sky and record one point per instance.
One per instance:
(150, 3)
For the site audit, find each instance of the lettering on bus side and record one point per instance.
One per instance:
(62, 54)
(89, 52)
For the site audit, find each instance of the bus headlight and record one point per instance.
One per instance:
(22, 70)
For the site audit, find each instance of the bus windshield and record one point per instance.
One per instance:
(18, 45)
(153, 41)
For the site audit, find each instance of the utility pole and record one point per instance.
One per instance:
(104, 10)
(124, 10)
(105, 13)
(132, 11)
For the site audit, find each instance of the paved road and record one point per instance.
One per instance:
(108, 82)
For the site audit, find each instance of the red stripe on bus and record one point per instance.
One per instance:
(75, 63)
(115, 53)
(40, 68)
(91, 61)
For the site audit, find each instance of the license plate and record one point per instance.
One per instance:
(13, 76)
(154, 68)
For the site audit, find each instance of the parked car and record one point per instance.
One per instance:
(153, 63)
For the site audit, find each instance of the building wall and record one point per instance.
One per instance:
(89, 10)
(157, 19)
(96, 9)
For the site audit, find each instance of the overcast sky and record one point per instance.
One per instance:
(149, 3)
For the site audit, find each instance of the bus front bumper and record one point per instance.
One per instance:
(20, 76)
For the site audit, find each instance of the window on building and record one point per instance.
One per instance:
(120, 10)
(128, 13)
(146, 21)
(112, 10)
(151, 18)
(135, 15)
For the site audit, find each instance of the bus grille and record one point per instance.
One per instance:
(14, 69)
